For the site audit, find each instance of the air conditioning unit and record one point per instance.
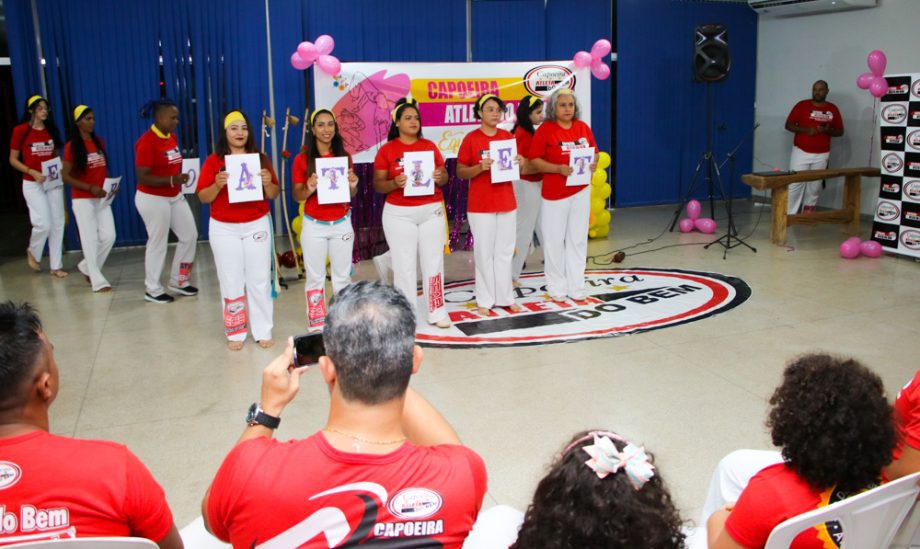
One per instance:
(791, 8)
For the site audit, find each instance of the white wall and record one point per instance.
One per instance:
(793, 52)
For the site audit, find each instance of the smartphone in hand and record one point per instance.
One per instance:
(307, 349)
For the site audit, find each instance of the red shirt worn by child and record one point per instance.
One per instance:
(95, 171)
(485, 196)
(390, 158)
(52, 486)
(305, 493)
(907, 416)
(162, 156)
(322, 212)
(524, 139)
(221, 208)
(809, 115)
(34, 146)
(552, 143)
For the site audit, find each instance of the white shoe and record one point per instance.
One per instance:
(444, 323)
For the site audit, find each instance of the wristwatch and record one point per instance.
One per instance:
(257, 416)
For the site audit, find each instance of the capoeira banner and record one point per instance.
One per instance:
(897, 214)
(362, 97)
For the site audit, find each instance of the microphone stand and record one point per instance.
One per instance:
(732, 232)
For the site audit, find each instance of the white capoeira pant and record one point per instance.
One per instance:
(809, 190)
(565, 246)
(160, 214)
(243, 257)
(493, 250)
(46, 212)
(732, 475)
(320, 239)
(527, 196)
(415, 235)
(97, 236)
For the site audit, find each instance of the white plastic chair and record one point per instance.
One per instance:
(870, 519)
(87, 543)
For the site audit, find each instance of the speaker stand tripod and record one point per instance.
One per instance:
(732, 232)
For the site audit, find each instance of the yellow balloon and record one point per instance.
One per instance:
(297, 225)
(300, 208)
(604, 191)
(603, 219)
(603, 231)
(597, 205)
(592, 234)
(599, 177)
(603, 160)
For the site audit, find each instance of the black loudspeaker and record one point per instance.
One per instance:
(711, 60)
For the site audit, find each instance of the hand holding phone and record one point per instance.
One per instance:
(307, 349)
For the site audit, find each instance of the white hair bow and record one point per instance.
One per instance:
(606, 459)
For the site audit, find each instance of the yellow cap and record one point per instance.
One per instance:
(233, 116)
(78, 111)
(32, 100)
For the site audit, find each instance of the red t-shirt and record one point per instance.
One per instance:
(485, 196)
(552, 143)
(323, 212)
(390, 158)
(58, 486)
(524, 139)
(221, 208)
(35, 148)
(302, 489)
(776, 494)
(163, 158)
(95, 171)
(907, 416)
(809, 115)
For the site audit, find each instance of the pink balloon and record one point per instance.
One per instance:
(871, 248)
(878, 87)
(307, 51)
(693, 209)
(877, 62)
(601, 71)
(582, 59)
(685, 225)
(324, 44)
(329, 64)
(855, 239)
(864, 80)
(298, 63)
(600, 48)
(705, 225)
(849, 249)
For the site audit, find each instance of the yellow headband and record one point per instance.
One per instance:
(78, 111)
(233, 116)
(531, 100)
(485, 98)
(34, 99)
(565, 91)
(409, 103)
(327, 111)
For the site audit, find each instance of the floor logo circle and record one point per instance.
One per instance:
(618, 301)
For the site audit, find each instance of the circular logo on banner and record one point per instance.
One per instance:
(618, 301)
(913, 139)
(891, 188)
(915, 89)
(543, 79)
(912, 189)
(887, 211)
(911, 239)
(892, 162)
(894, 113)
(10, 473)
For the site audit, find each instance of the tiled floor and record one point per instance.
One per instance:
(160, 379)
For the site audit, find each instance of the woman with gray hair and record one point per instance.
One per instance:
(565, 208)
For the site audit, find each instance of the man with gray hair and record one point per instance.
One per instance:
(386, 469)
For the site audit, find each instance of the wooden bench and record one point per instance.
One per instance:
(779, 188)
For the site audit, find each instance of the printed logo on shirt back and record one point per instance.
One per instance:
(10, 473)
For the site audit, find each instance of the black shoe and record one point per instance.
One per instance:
(185, 290)
(162, 299)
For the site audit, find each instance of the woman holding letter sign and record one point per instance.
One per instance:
(240, 234)
(413, 216)
(491, 206)
(327, 229)
(526, 189)
(566, 207)
(36, 141)
(85, 171)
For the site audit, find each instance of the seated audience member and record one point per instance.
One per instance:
(59, 487)
(386, 469)
(832, 421)
(602, 491)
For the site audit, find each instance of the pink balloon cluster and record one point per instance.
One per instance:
(852, 247)
(316, 52)
(694, 221)
(874, 81)
(595, 59)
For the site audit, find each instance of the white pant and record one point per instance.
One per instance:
(160, 214)
(46, 212)
(319, 240)
(732, 475)
(496, 527)
(416, 235)
(798, 161)
(565, 245)
(243, 257)
(527, 195)
(493, 250)
(97, 236)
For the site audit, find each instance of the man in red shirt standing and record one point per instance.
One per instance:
(813, 121)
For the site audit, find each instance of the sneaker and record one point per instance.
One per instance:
(162, 299)
(185, 290)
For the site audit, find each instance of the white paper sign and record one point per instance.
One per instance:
(579, 161)
(504, 168)
(51, 169)
(245, 183)
(190, 166)
(332, 180)
(110, 186)
(419, 169)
